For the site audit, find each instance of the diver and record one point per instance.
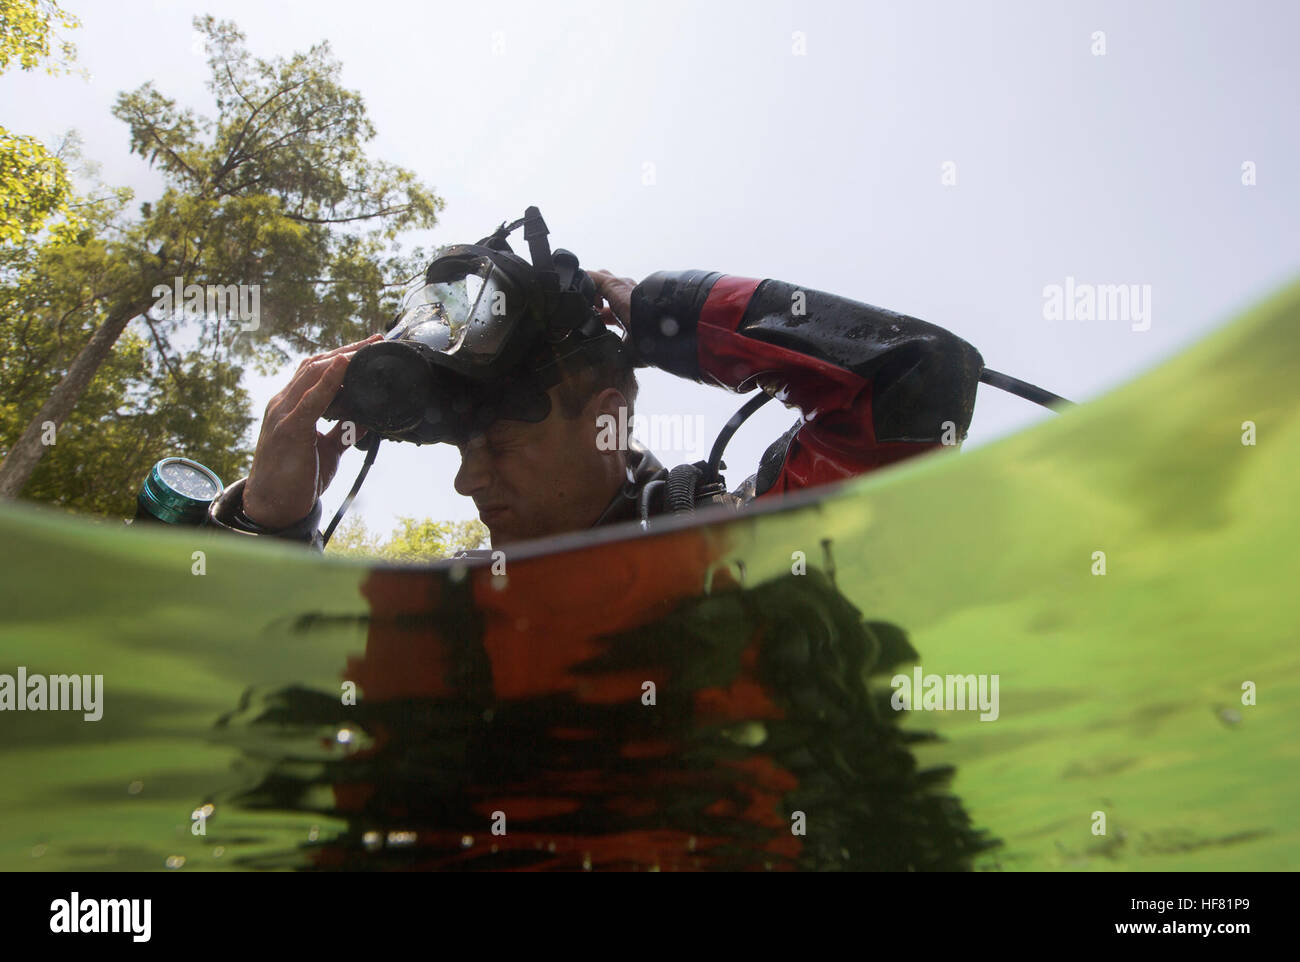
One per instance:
(516, 363)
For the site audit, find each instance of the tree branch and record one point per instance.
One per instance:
(162, 351)
(152, 129)
(344, 220)
(229, 164)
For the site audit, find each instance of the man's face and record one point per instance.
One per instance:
(533, 480)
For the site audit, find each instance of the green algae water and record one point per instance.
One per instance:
(720, 695)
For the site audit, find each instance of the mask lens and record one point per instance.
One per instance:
(424, 323)
(466, 311)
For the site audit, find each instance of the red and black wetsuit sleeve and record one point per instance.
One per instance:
(874, 387)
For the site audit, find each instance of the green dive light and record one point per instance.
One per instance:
(177, 491)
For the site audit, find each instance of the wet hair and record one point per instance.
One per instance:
(586, 376)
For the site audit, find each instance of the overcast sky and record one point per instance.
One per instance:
(803, 141)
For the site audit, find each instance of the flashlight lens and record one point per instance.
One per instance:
(178, 491)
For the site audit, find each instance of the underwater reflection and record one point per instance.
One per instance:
(501, 728)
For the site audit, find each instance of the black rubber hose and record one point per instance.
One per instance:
(1030, 392)
(728, 429)
(647, 493)
(347, 502)
(682, 482)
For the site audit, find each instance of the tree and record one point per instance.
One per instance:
(34, 184)
(410, 541)
(140, 406)
(274, 195)
(26, 29)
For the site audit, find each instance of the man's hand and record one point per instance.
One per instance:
(294, 463)
(617, 292)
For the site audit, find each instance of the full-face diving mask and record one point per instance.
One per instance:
(485, 335)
